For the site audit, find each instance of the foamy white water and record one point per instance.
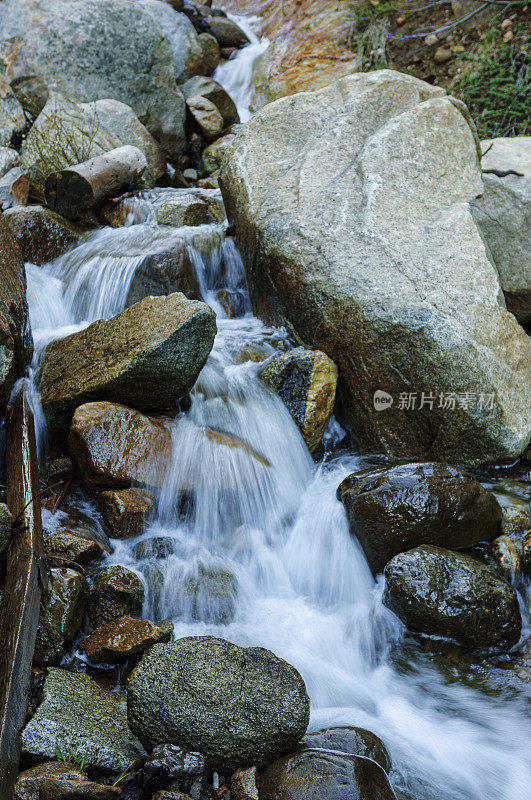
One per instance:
(259, 521)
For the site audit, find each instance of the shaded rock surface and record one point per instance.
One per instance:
(391, 510)
(170, 765)
(69, 789)
(84, 48)
(125, 511)
(206, 115)
(66, 546)
(116, 592)
(212, 156)
(149, 356)
(124, 638)
(14, 179)
(306, 383)
(440, 593)
(41, 233)
(213, 91)
(237, 706)
(12, 119)
(314, 775)
(186, 48)
(29, 782)
(5, 527)
(63, 603)
(75, 714)
(243, 784)
(355, 741)
(364, 244)
(503, 215)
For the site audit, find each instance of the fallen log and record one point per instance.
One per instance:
(76, 189)
(19, 610)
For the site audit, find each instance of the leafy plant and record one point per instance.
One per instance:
(75, 758)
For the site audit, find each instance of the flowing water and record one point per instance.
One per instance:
(249, 542)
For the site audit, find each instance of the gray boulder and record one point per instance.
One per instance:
(391, 510)
(351, 206)
(12, 119)
(14, 179)
(503, 216)
(93, 49)
(440, 593)
(76, 715)
(148, 356)
(238, 706)
(187, 49)
(213, 91)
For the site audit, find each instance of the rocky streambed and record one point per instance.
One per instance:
(281, 388)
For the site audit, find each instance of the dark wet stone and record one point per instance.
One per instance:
(171, 764)
(156, 547)
(355, 741)
(116, 591)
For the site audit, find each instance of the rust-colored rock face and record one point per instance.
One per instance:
(309, 43)
(124, 638)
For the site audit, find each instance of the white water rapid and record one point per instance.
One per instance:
(255, 547)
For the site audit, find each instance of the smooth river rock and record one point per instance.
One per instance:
(351, 206)
(148, 356)
(41, 233)
(314, 775)
(75, 714)
(391, 510)
(94, 49)
(238, 706)
(440, 593)
(63, 603)
(124, 638)
(347, 739)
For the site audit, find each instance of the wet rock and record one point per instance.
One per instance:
(179, 31)
(125, 638)
(184, 209)
(503, 215)
(5, 527)
(243, 784)
(14, 179)
(391, 510)
(148, 356)
(16, 342)
(156, 547)
(507, 552)
(112, 445)
(210, 47)
(213, 155)
(32, 94)
(116, 592)
(71, 789)
(84, 49)
(75, 714)
(58, 469)
(201, 86)
(440, 593)
(30, 781)
(333, 233)
(209, 595)
(206, 115)
(306, 383)
(41, 234)
(171, 796)
(235, 705)
(170, 765)
(515, 520)
(165, 272)
(327, 776)
(226, 32)
(526, 552)
(67, 547)
(62, 606)
(12, 119)
(355, 741)
(125, 511)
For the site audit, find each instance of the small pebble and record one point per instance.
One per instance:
(507, 23)
(508, 36)
(442, 54)
(430, 39)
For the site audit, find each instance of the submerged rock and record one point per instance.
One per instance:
(76, 715)
(235, 705)
(208, 595)
(84, 49)
(148, 356)
(314, 775)
(364, 244)
(507, 553)
(125, 511)
(440, 593)
(64, 600)
(41, 233)
(355, 741)
(391, 510)
(306, 383)
(116, 592)
(124, 638)
(503, 215)
(165, 271)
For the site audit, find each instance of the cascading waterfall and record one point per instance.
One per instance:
(250, 543)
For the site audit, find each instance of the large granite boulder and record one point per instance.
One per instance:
(95, 49)
(394, 509)
(503, 216)
(238, 706)
(188, 59)
(317, 775)
(75, 715)
(440, 593)
(16, 342)
(41, 233)
(351, 206)
(148, 356)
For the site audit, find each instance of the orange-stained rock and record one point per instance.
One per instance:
(66, 546)
(125, 511)
(123, 638)
(309, 44)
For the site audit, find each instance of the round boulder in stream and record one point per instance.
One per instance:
(393, 510)
(440, 593)
(318, 775)
(238, 706)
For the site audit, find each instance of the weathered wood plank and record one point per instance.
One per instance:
(19, 611)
